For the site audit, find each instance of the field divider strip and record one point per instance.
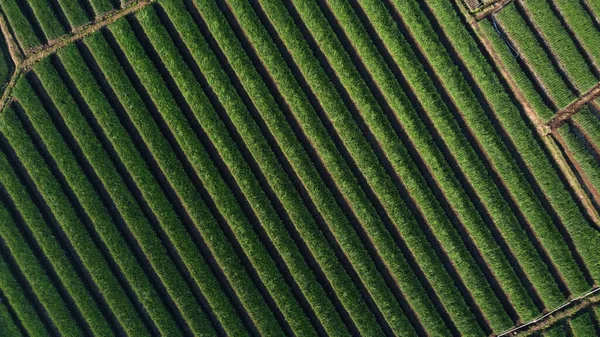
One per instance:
(23, 63)
(574, 107)
(489, 9)
(568, 309)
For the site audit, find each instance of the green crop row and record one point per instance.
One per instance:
(532, 52)
(74, 12)
(44, 237)
(134, 107)
(8, 326)
(431, 154)
(19, 24)
(583, 235)
(124, 200)
(341, 174)
(299, 160)
(66, 216)
(225, 145)
(215, 185)
(560, 43)
(36, 277)
(582, 325)
(47, 19)
(582, 26)
(474, 170)
(98, 214)
(501, 158)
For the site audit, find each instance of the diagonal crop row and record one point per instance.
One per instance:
(36, 280)
(177, 119)
(297, 157)
(545, 174)
(330, 155)
(144, 223)
(21, 307)
(545, 227)
(25, 33)
(218, 133)
(97, 212)
(421, 138)
(73, 226)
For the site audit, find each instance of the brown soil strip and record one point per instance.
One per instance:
(490, 8)
(564, 311)
(542, 129)
(24, 63)
(574, 107)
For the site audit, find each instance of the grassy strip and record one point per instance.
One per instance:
(42, 10)
(584, 236)
(8, 327)
(74, 12)
(23, 309)
(65, 215)
(298, 159)
(134, 107)
(99, 215)
(560, 43)
(531, 50)
(582, 26)
(217, 131)
(102, 6)
(430, 153)
(159, 205)
(35, 275)
(398, 155)
(198, 211)
(338, 169)
(501, 158)
(215, 186)
(556, 331)
(20, 25)
(582, 325)
(474, 169)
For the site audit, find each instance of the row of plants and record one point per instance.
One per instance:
(406, 169)
(305, 170)
(474, 169)
(65, 215)
(225, 145)
(47, 19)
(334, 161)
(98, 214)
(530, 149)
(415, 128)
(204, 222)
(341, 175)
(41, 286)
(160, 216)
(501, 158)
(20, 24)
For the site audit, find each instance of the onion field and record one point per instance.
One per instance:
(297, 168)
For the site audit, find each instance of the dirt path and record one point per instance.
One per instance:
(574, 107)
(564, 311)
(23, 63)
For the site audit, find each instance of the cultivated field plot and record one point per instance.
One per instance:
(300, 168)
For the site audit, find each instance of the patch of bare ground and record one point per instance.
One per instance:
(25, 60)
(541, 128)
(567, 112)
(566, 310)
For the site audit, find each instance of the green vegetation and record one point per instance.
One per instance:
(309, 168)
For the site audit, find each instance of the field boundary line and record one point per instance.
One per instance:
(574, 107)
(566, 310)
(23, 63)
